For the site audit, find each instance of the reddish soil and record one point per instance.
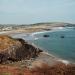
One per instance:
(57, 69)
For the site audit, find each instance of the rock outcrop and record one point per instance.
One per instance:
(16, 49)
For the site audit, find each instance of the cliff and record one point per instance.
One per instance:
(16, 49)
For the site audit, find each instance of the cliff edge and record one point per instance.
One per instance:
(16, 49)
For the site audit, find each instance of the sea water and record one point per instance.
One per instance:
(59, 42)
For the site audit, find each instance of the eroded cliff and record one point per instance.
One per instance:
(16, 49)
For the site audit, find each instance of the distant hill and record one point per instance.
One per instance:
(8, 27)
(55, 24)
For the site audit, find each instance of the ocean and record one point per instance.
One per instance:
(58, 42)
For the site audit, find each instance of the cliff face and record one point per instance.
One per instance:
(16, 49)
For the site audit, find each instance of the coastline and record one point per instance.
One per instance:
(45, 63)
(44, 53)
(59, 58)
(52, 58)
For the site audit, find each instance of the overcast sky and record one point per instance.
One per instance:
(35, 11)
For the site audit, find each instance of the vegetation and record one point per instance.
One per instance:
(6, 42)
(5, 74)
(57, 69)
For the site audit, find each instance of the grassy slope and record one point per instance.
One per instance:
(6, 42)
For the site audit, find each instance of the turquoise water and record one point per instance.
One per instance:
(61, 47)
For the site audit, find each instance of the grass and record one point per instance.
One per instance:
(7, 41)
(5, 74)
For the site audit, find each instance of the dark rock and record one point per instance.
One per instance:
(62, 36)
(45, 35)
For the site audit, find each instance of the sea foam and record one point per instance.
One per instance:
(64, 61)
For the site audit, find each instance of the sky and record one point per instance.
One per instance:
(36, 11)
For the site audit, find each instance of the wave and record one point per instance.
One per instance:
(37, 33)
(53, 30)
(36, 38)
(64, 61)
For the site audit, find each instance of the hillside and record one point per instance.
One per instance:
(16, 49)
